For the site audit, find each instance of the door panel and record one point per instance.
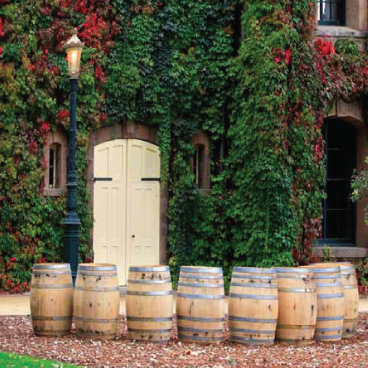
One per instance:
(143, 203)
(109, 230)
(126, 209)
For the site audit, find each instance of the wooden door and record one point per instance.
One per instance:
(143, 205)
(126, 204)
(109, 201)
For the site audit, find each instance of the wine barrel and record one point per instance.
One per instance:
(149, 303)
(351, 295)
(200, 304)
(297, 305)
(330, 302)
(51, 299)
(253, 305)
(96, 301)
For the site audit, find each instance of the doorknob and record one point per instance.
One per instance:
(133, 236)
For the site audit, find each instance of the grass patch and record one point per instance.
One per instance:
(24, 361)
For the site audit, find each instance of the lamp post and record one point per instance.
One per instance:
(72, 223)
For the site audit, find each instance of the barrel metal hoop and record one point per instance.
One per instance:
(326, 270)
(330, 318)
(200, 330)
(201, 270)
(149, 319)
(199, 319)
(194, 284)
(304, 271)
(253, 270)
(350, 287)
(299, 277)
(100, 268)
(96, 320)
(258, 332)
(292, 341)
(253, 277)
(53, 272)
(297, 290)
(327, 277)
(200, 296)
(258, 286)
(334, 284)
(51, 286)
(249, 340)
(139, 330)
(98, 289)
(198, 338)
(323, 337)
(54, 318)
(251, 296)
(252, 320)
(168, 281)
(150, 293)
(150, 269)
(201, 277)
(326, 329)
(60, 266)
(93, 274)
(330, 296)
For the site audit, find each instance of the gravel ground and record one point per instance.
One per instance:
(16, 336)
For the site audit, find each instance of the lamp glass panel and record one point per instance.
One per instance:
(74, 57)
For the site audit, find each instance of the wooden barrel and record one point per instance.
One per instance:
(149, 303)
(200, 304)
(351, 295)
(253, 305)
(96, 301)
(297, 305)
(51, 299)
(330, 302)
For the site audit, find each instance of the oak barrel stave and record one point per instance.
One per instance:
(253, 306)
(149, 303)
(200, 304)
(51, 300)
(96, 301)
(297, 305)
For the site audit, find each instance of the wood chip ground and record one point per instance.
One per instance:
(16, 336)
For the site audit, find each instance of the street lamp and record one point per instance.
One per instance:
(73, 48)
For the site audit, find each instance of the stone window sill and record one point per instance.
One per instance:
(339, 31)
(54, 192)
(341, 252)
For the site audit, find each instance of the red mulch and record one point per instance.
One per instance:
(16, 336)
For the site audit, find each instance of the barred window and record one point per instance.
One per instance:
(331, 12)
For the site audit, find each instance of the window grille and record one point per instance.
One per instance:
(331, 12)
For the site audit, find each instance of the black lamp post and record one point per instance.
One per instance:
(72, 223)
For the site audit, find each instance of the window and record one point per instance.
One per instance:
(331, 12)
(339, 213)
(197, 168)
(54, 166)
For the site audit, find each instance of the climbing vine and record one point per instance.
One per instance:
(248, 74)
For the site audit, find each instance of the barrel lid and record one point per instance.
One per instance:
(97, 267)
(158, 268)
(292, 270)
(201, 269)
(253, 270)
(51, 266)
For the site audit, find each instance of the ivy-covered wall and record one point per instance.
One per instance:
(247, 73)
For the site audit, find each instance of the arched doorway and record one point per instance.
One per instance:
(339, 212)
(126, 198)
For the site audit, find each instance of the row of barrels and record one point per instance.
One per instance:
(291, 304)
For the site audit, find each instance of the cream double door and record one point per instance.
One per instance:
(126, 204)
